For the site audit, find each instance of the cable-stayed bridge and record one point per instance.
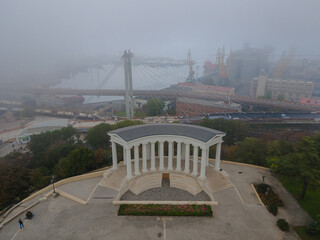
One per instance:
(152, 76)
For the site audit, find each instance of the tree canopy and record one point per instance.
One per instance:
(252, 151)
(235, 130)
(98, 137)
(40, 142)
(303, 163)
(155, 106)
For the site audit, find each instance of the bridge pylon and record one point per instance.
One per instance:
(128, 83)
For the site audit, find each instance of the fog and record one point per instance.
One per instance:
(40, 34)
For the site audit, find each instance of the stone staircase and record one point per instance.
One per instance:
(145, 182)
(185, 182)
(113, 178)
(217, 181)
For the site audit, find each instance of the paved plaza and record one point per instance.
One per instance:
(238, 215)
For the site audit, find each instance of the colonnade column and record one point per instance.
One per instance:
(183, 151)
(178, 168)
(114, 156)
(203, 163)
(195, 160)
(153, 157)
(144, 157)
(170, 155)
(218, 152)
(124, 156)
(187, 158)
(208, 156)
(161, 166)
(148, 151)
(136, 160)
(128, 160)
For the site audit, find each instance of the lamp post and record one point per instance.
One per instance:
(52, 181)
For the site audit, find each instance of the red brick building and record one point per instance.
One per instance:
(195, 107)
(227, 91)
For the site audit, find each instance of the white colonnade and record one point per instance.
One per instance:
(183, 148)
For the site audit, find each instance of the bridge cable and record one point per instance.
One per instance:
(141, 74)
(158, 76)
(159, 79)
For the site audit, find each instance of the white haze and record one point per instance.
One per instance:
(37, 34)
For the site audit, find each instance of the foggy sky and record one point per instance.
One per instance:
(41, 32)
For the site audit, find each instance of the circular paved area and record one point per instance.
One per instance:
(234, 218)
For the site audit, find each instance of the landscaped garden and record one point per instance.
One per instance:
(305, 235)
(165, 210)
(270, 199)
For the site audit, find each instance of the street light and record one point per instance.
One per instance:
(52, 181)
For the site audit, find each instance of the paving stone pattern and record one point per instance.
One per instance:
(165, 193)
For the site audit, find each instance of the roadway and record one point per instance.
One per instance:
(170, 93)
(263, 116)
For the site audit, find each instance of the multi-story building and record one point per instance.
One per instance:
(287, 90)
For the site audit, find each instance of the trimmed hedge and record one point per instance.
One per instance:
(164, 210)
(283, 224)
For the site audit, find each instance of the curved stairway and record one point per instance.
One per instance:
(185, 182)
(145, 182)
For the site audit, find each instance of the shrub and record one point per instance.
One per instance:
(313, 228)
(283, 224)
(273, 208)
(262, 188)
(29, 215)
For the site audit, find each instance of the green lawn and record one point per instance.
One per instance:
(120, 114)
(301, 231)
(136, 114)
(140, 114)
(311, 203)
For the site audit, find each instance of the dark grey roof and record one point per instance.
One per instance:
(134, 132)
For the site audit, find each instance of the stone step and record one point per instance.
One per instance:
(113, 180)
(145, 182)
(186, 183)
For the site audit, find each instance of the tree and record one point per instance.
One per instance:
(155, 106)
(235, 130)
(97, 137)
(40, 142)
(252, 151)
(102, 158)
(55, 152)
(126, 123)
(279, 148)
(78, 161)
(14, 184)
(304, 163)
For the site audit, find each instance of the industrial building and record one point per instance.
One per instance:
(208, 89)
(196, 107)
(287, 90)
(248, 63)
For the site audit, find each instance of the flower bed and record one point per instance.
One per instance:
(164, 210)
(269, 198)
